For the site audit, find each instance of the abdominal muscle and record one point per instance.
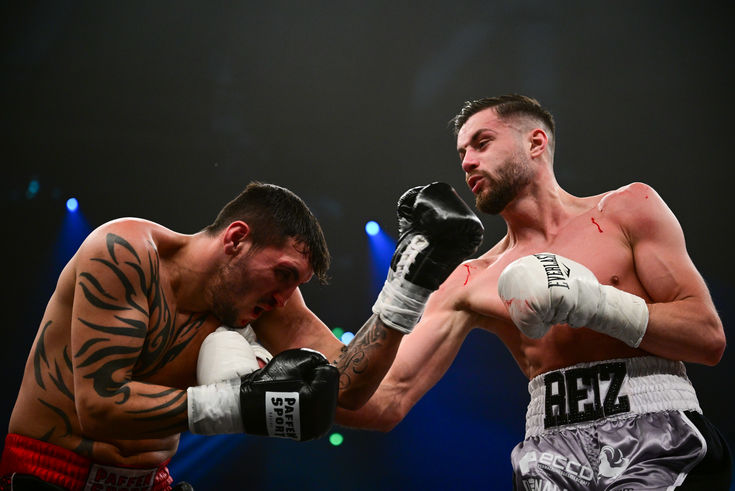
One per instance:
(564, 346)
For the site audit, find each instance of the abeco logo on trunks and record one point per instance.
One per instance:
(555, 463)
(612, 464)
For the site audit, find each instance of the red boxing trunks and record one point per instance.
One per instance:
(57, 465)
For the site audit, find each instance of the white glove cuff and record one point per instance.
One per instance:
(215, 409)
(400, 303)
(621, 315)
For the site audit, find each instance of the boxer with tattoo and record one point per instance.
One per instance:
(111, 378)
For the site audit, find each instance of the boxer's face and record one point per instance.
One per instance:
(258, 280)
(494, 160)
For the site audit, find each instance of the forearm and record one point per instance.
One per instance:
(364, 362)
(421, 361)
(137, 410)
(689, 330)
(401, 389)
(380, 413)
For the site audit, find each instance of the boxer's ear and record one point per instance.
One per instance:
(538, 140)
(234, 237)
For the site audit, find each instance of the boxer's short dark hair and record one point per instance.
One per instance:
(275, 214)
(505, 106)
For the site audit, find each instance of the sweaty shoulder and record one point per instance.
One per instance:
(631, 195)
(637, 208)
(639, 211)
(122, 237)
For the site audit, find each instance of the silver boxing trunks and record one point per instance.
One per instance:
(625, 424)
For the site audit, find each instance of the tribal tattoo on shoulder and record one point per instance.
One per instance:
(162, 337)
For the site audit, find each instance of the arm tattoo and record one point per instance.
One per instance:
(163, 340)
(139, 336)
(40, 356)
(355, 357)
(42, 366)
(172, 409)
(155, 334)
(59, 412)
(85, 448)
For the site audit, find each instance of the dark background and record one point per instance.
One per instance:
(166, 110)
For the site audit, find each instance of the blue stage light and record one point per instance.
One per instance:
(347, 337)
(372, 228)
(72, 204)
(33, 188)
(381, 247)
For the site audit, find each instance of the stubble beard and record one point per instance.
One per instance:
(224, 292)
(504, 186)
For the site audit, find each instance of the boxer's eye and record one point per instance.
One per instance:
(284, 275)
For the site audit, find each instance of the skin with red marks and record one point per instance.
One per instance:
(642, 252)
(597, 224)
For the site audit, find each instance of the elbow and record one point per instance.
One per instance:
(390, 421)
(390, 416)
(94, 419)
(371, 417)
(715, 344)
(715, 350)
(386, 421)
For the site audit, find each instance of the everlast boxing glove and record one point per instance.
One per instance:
(437, 232)
(543, 290)
(294, 396)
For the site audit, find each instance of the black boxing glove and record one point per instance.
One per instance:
(437, 232)
(294, 396)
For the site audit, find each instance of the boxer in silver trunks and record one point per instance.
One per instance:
(620, 425)
(593, 296)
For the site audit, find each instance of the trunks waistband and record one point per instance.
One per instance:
(582, 394)
(60, 466)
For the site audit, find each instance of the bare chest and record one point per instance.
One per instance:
(590, 239)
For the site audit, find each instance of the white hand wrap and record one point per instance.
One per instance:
(215, 409)
(229, 353)
(543, 290)
(400, 302)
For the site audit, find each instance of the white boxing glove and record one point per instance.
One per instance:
(545, 289)
(228, 354)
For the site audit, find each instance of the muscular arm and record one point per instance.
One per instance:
(422, 360)
(683, 322)
(362, 364)
(437, 231)
(117, 301)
